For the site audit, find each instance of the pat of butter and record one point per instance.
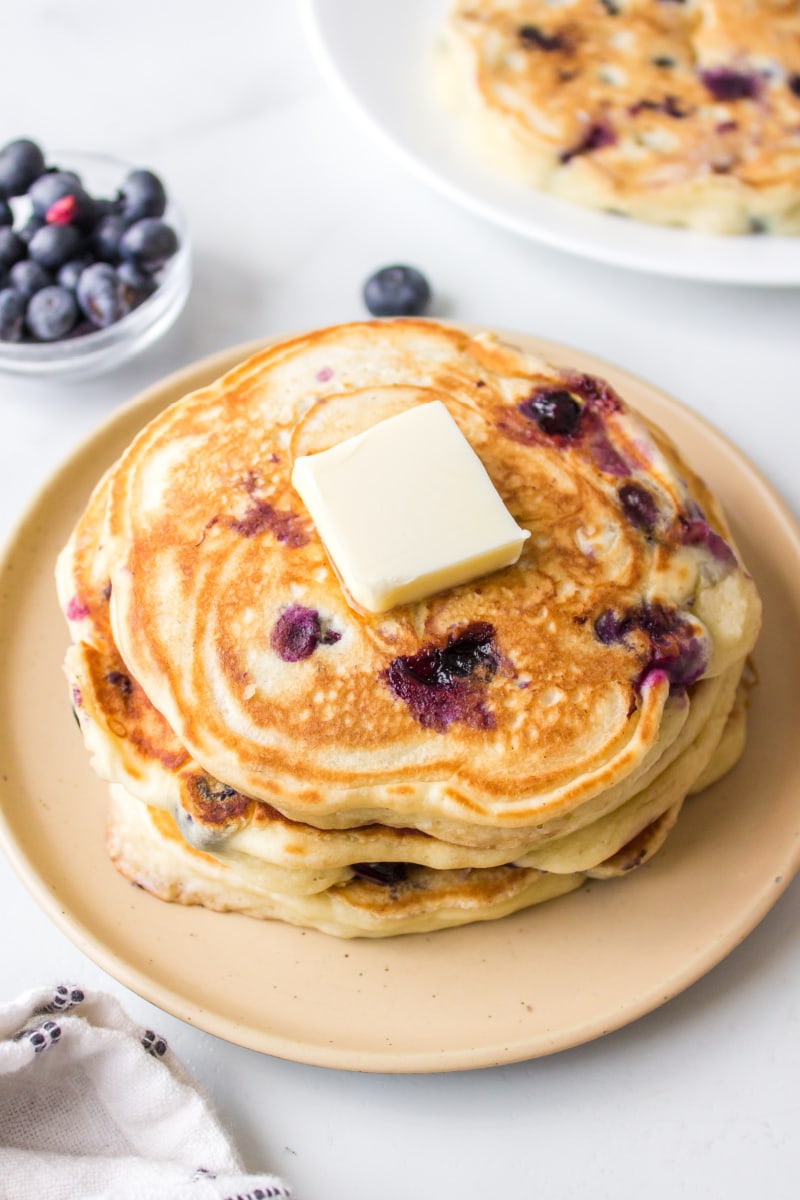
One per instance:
(406, 509)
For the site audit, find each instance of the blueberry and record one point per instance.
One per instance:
(725, 83)
(12, 313)
(608, 627)
(533, 36)
(675, 649)
(120, 681)
(397, 292)
(595, 137)
(21, 162)
(6, 215)
(148, 244)
(142, 194)
(59, 197)
(53, 245)
(49, 187)
(639, 506)
(76, 208)
(696, 531)
(136, 285)
(31, 226)
(99, 295)
(555, 412)
(70, 273)
(443, 684)
(52, 313)
(296, 633)
(386, 873)
(12, 247)
(106, 236)
(104, 207)
(28, 277)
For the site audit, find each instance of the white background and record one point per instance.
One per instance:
(290, 206)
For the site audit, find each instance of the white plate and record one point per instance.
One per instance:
(376, 55)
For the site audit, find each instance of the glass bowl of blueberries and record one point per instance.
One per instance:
(95, 261)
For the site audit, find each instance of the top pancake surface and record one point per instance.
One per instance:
(493, 702)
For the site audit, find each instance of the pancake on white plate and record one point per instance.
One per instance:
(681, 113)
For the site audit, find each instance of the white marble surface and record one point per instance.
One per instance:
(290, 207)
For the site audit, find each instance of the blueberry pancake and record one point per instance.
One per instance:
(681, 112)
(131, 746)
(547, 720)
(384, 899)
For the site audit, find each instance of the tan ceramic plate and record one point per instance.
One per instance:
(491, 993)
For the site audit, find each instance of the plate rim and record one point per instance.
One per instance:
(664, 263)
(487, 1054)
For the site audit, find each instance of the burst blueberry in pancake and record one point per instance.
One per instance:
(682, 113)
(541, 724)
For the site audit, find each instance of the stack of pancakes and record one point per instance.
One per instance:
(275, 752)
(680, 113)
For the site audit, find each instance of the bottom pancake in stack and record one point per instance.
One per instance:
(467, 756)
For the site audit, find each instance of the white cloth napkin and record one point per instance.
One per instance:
(93, 1107)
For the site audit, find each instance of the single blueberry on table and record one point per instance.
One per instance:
(397, 291)
(142, 195)
(12, 315)
(12, 248)
(52, 313)
(21, 162)
(53, 245)
(148, 244)
(28, 277)
(99, 295)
